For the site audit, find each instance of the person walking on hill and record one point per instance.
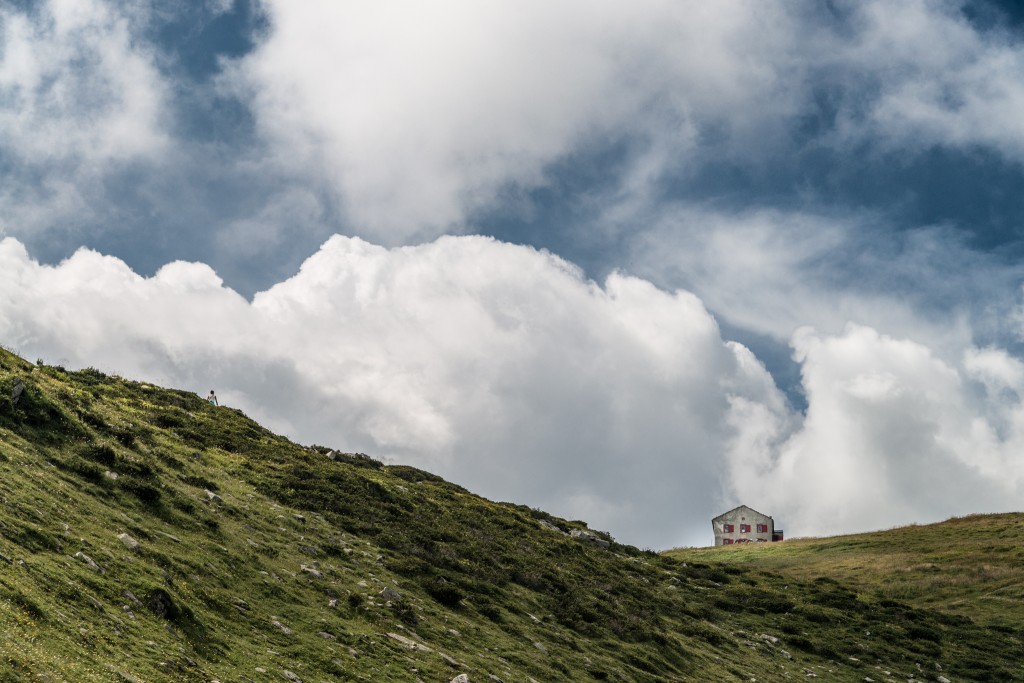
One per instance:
(212, 398)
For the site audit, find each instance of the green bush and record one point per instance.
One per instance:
(101, 453)
(144, 490)
(444, 591)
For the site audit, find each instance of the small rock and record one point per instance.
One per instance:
(290, 676)
(390, 593)
(540, 646)
(589, 537)
(309, 550)
(409, 642)
(284, 629)
(942, 679)
(300, 518)
(112, 476)
(551, 527)
(312, 571)
(213, 497)
(449, 660)
(17, 391)
(129, 542)
(326, 636)
(89, 561)
(461, 678)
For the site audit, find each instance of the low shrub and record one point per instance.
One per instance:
(444, 591)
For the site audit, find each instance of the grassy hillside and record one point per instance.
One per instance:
(148, 536)
(971, 566)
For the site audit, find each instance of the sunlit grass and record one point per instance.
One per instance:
(971, 565)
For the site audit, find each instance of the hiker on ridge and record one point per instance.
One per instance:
(212, 398)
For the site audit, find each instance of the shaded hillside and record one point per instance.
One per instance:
(148, 536)
(971, 566)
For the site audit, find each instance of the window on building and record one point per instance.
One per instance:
(744, 528)
(728, 528)
(726, 541)
(762, 528)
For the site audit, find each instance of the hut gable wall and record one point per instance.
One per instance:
(742, 525)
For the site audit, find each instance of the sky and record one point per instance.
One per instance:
(631, 263)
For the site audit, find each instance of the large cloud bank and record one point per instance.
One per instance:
(419, 115)
(453, 103)
(80, 100)
(402, 121)
(503, 369)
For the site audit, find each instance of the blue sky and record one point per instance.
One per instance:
(635, 264)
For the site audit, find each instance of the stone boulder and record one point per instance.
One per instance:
(129, 542)
(389, 594)
(587, 536)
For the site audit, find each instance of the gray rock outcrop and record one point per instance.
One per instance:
(129, 542)
(588, 536)
(390, 594)
(89, 561)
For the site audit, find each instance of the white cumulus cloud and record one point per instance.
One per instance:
(892, 434)
(498, 366)
(501, 368)
(79, 97)
(418, 114)
(938, 80)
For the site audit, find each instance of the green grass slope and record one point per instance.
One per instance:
(148, 536)
(971, 566)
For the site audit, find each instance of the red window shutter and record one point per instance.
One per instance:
(726, 541)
